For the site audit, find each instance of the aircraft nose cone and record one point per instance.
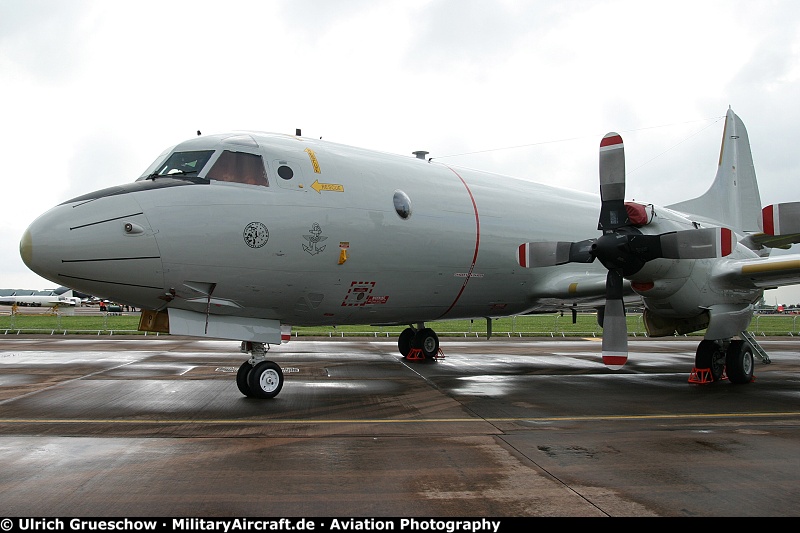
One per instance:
(42, 243)
(103, 247)
(26, 249)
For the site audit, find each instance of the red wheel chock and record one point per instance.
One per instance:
(416, 355)
(703, 375)
(700, 375)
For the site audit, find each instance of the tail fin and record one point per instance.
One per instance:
(733, 199)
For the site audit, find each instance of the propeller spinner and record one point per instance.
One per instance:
(622, 248)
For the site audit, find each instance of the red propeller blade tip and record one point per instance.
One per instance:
(523, 255)
(612, 139)
(615, 361)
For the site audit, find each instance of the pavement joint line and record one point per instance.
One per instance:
(251, 422)
(62, 383)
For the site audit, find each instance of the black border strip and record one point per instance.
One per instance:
(109, 259)
(111, 282)
(107, 220)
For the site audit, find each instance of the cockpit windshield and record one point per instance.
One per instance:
(182, 164)
(239, 167)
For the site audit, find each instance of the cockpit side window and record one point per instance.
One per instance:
(239, 167)
(182, 163)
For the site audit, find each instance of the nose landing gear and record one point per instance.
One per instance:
(257, 377)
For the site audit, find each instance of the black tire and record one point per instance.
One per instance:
(427, 340)
(740, 362)
(265, 380)
(405, 340)
(710, 355)
(241, 379)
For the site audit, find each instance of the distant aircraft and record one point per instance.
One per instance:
(239, 236)
(41, 299)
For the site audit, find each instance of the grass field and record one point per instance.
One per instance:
(549, 325)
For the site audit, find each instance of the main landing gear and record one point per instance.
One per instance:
(716, 360)
(419, 343)
(257, 377)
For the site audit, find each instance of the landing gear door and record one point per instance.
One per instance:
(290, 176)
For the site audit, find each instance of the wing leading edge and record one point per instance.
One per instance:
(764, 273)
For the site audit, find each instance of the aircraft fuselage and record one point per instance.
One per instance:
(238, 236)
(325, 234)
(327, 246)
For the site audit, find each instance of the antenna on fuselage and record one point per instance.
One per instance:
(297, 132)
(420, 154)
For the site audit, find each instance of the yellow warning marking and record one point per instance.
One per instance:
(573, 288)
(313, 157)
(331, 187)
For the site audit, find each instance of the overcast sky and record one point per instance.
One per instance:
(92, 91)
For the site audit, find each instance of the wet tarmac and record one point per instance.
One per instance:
(106, 426)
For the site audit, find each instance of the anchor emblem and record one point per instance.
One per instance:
(314, 239)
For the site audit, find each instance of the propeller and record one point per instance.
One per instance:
(610, 248)
(622, 248)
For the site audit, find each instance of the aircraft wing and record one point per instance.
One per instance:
(767, 272)
(775, 241)
(64, 301)
(578, 288)
(570, 284)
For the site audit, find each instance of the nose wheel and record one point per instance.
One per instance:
(257, 377)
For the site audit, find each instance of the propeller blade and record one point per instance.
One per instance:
(544, 254)
(613, 214)
(615, 329)
(706, 243)
(782, 219)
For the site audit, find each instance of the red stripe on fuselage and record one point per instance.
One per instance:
(477, 244)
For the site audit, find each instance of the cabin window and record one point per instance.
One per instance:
(402, 204)
(183, 163)
(239, 167)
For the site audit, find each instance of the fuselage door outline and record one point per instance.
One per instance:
(289, 174)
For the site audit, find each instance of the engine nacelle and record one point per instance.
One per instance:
(680, 295)
(662, 326)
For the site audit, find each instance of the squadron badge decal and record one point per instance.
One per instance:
(255, 235)
(314, 239)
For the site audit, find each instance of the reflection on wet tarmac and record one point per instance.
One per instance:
(498, 428)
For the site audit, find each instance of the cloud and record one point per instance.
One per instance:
(45, 39)
(94, 90)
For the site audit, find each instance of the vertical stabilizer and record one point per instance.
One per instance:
(733, 199)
